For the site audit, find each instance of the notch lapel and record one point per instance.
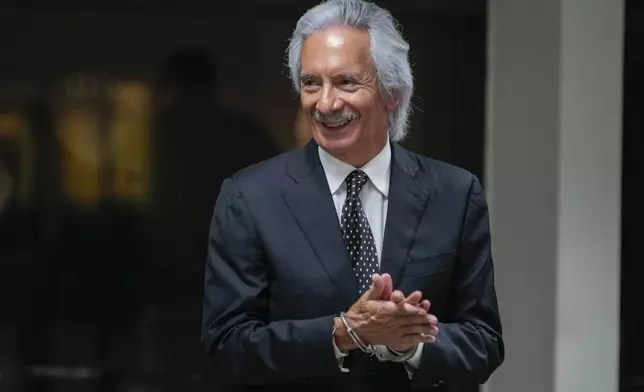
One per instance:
(406, 206)
(310, 202)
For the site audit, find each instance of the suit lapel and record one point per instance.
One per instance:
(310, 202)
(406, 205)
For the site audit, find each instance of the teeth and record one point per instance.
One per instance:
(338, 125)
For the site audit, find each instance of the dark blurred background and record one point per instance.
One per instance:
(118, 122)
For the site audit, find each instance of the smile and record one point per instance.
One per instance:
(336, 124)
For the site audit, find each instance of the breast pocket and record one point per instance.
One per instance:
(432, 277)
(433, 265)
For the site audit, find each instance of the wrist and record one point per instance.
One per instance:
(401, 350)
(341, 336)
(402, 356)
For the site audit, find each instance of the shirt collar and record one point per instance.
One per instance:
(378, 170)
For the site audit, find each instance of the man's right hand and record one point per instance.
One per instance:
(387, 323)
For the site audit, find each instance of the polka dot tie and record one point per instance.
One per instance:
(357, 232)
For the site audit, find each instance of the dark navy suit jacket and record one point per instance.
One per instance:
(278, 272)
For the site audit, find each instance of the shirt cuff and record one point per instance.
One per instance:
(413, 363)
(339, 355)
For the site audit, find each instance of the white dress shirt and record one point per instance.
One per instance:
(374, 195)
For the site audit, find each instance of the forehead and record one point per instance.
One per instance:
(336, 49)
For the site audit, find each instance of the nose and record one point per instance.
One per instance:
(329, 101)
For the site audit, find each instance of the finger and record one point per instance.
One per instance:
(376, 289)
(431, 336)
(410, 310)
(428, 338)
(416, 329)
(425, 304)
(414, 298)
(411, 321)
(413, 339)
(427, 329)
(388, 287)
(397, 297)
(414, 315)
(399, 314)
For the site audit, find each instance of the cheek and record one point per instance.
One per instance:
(307, 101)
(365, 102)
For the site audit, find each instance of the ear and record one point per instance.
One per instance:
(391, 102)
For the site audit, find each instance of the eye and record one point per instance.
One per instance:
(308, 82)
(347, 82)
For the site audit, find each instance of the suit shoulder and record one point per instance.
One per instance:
(263, 173)
(442, 174)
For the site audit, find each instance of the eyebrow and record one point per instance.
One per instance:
(350, 75)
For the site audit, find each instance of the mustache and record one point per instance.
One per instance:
(333, 117)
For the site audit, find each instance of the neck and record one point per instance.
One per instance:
(363, 156)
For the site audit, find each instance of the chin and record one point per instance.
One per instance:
(336, 140)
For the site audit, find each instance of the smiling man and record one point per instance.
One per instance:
(351, 264)
(339, 89)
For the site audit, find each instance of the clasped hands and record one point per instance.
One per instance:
(385, 317)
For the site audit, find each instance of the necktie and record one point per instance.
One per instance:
(357, 232)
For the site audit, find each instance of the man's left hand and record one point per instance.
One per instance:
(415, 299)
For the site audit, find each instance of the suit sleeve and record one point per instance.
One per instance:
(243, 347)
(469, 346)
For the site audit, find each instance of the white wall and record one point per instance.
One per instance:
(553, 175)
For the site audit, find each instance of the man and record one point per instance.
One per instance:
(351, 264)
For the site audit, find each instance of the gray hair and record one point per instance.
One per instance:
(389, 51)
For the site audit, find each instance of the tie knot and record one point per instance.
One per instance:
(355, 181)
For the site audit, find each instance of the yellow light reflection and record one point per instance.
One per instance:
(78, 133)
(130, 141)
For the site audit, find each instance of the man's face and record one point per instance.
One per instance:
(340, 96)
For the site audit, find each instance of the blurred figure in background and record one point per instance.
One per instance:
(10, 241)
(200, 142)
(7, 181)
(197, 143)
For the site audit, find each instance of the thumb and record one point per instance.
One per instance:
(377, 288)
